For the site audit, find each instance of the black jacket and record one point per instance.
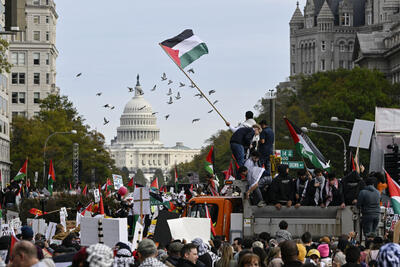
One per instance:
(337, 195)
(352, 185)
(172, 260)
(185, 263)
(309, 196)
(293, 264)
(282, 187)
(242, 136)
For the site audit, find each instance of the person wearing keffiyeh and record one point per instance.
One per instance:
(123, 257)
(389, 255)
(99, 255)
(333, 192)
(206, 256)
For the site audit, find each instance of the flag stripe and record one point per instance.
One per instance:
(394, 192)
(193, 54)
(187, 45)
(177, 39)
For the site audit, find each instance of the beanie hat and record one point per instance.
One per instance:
(323, 250)
(26, 232)
(302, 252)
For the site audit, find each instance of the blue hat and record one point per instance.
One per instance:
(26, 232)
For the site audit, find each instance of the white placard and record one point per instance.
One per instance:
(89, 231)
(190, 228)
(5, 229)
(117, 181)
(138, 235)
(11, 215)
(141, 201)
(38, 225)
(63, 216)
(16, 224)
(51, 230)
(387, 120)
(362, 132)
(96, 194)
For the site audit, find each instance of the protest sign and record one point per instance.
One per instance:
(138, 235)
(51, 230)
(190, 228)
(96, 194)
(5, 229)
(117, 181)
(361, 134)
(38, 225)
(141, 202)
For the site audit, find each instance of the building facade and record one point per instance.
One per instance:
(137, 144)
(33, 54)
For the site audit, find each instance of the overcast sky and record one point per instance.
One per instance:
(110, 42)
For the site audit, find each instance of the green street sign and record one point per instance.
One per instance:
(287, 153)
(294, 164)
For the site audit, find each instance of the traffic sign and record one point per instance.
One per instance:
(287, 153)
(294, 164)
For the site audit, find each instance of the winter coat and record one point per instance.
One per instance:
(352, 185)
(369, 201)
(282, 187)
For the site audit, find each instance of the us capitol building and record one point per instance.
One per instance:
(137, 144)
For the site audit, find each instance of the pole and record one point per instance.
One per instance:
(195, 85)
(273, 122)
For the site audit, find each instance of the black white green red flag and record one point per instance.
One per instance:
(22, 172)
(306, 148)
(51, 178)
(209, 163)
(184, 48)
(394, 191)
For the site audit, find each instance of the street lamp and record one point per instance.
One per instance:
(337, 119)
(44, 151)
(305, 130)
(316, 125)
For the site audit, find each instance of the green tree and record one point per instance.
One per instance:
(160, 176)
(58, 114)
(5, 66)
(139, 177)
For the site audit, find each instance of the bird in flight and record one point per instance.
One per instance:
(170, 101)
(211, 92)
(140, 92)
(141, 108)
(210, 111)
(79, 74)
(105, 121)
(178, 96)
(99, 94)
(106, 106)
(112, 107)
(181, 84)
(215, 102)
(192, 85)
(154, 88)
(166, 117)
(199, 95)
(130, 89)
(193, 121)
(169, 82)
(164, 77)
(169, 91)
(191, 71)
(154, 113)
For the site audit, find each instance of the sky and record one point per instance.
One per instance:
(110, 42)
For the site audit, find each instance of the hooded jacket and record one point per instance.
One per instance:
(369, 201)
(282, 187)
(352, 185)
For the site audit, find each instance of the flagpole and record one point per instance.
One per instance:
(195, 85)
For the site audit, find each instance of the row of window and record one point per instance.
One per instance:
(37, 19)
(20, 97)
(308, 67)
(345, 20)
(41, 2)
(342, 46)
(19, 78)
(3, 127)
(138, 122)
(18, 58)
(36, 36)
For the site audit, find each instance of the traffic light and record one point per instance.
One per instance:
(15, 15)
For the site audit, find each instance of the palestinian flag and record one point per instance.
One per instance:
(184, 48)
(131, 182)
(84, 191)
(88, 208)
(107, 186)
(306, 148)
(229, 173)
(394, 191)
(209, 163)
(51, 178)
(211, 222)
(154, 183)
(22, 172)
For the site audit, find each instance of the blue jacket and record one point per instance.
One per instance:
(369, 201)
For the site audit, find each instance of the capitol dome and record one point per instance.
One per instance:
(138, 124)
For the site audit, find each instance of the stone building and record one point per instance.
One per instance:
(137, 144)
(33, 53)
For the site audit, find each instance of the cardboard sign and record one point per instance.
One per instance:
(63, 216)
(15, 225)
(38, 225)
(190, 228)
(138, 236)
(11, 215)
(96, 194)
(361, 134)
(141, 201)
(117, 181)
(51, 230)
(5, 229)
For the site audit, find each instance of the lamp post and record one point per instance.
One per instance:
(44, 151)
(316, 125)
(305, 130)
(337, 119)
(271, 95)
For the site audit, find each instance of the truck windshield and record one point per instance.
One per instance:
(199, 211)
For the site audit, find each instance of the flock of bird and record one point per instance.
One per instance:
(170, 94)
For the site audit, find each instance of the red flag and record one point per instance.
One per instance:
(101, 205)
(52, 173)
(88, 208)
(229, 172)
(154, 184)
(191, 188)
(70, 185)
(208, 216)
(14, 240)
(36, 212)
(131, 183)
(84, 191)
(236, 164)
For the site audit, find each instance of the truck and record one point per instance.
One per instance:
(234, 216)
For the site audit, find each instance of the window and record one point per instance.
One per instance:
(293, 68)
(351, 46)
(21, 58)
(36, 97)
(22, 114)
(322, 64)
(293, 49)
(21, 97)
(14, 58)
(36, 78)
(14, 78)
(18, 58)
(36, 2)
(18, 78)
(342, 64)
(199, 211)
(47, 2)
(332, 65)
(323, 46)
(14, 97)
(36, 35)
(36, 19)
(47, 59)
(36, 58)
(342, 46)
(47, 36)
(345, 19)
(21, 77)
(369, 18)
(332, 46)
(47, 19)
(47, 78)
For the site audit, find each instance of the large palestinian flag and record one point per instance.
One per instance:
(51, 178)
(306, 148)
(22, 172)
(209, 163)
(184, 48)
(394, 191)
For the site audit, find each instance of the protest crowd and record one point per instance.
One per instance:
(251, 146)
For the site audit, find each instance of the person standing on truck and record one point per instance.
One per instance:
(333, 192)
(257, 179)
(312, 194)
(352, 185)
(239, 140)
(369, 203)
(282, 188)
(266, 145)
(300, 185)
